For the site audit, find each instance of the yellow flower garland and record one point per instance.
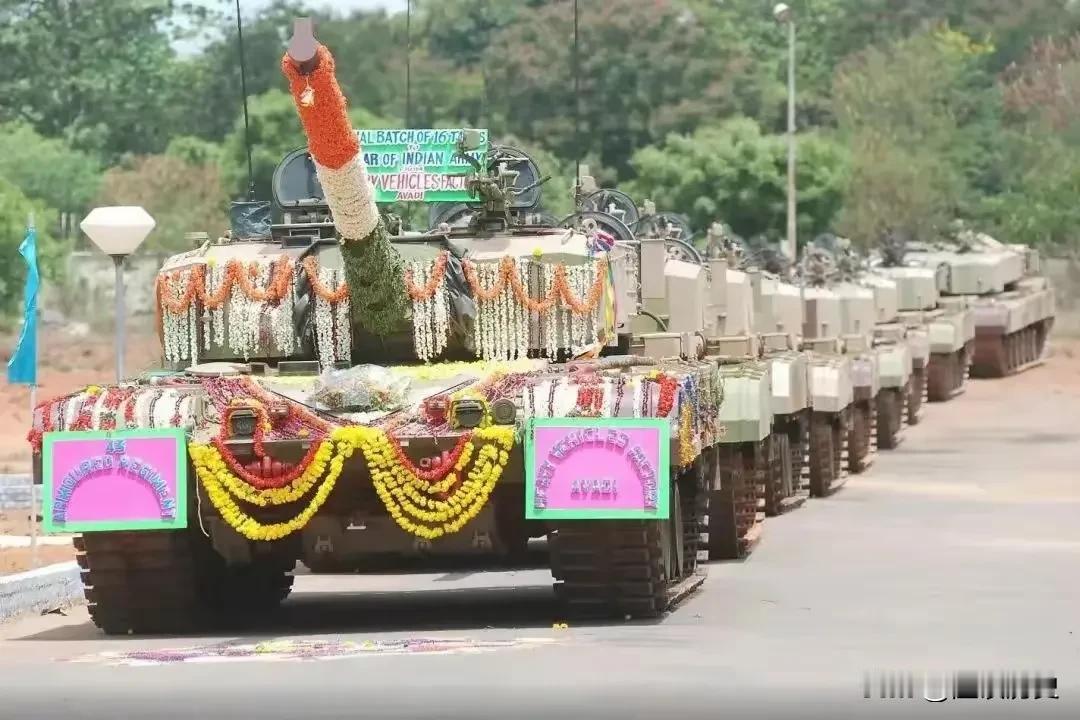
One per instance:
(400, 490)
(207, 459)
(249, 527)
(686, 440)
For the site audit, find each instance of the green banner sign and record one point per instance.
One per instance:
(418, 165)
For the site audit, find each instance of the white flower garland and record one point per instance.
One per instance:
(217, 279)
(324, 323)
(351, 197)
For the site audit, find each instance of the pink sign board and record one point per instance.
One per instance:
(597, 468)
(123, 480)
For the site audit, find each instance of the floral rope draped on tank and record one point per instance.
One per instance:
(373, 268)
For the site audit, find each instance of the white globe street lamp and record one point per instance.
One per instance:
(118, 232)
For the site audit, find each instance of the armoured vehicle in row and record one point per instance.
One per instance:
(697, 307)
(832, 376)
(872, 331)
(1011, 303)
(948, 321)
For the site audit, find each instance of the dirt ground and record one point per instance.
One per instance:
(66, 364)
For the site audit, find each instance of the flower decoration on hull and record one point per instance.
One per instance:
(427, 504)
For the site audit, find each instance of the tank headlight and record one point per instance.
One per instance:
(504, 412)
(242, 423)
(467, 413)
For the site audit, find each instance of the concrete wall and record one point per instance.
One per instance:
(15, 492)
(37, 591)
(88, 295)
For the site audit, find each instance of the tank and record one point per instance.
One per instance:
(832, 375)
(697, 307)
(1011, 302)
(342, 392)
(776, 329)
(949, 321)
(873, 324)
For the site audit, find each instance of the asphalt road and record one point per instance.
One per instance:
(959, 551)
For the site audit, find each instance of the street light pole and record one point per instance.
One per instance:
(121, 316)
(792, 245)
(118, 232)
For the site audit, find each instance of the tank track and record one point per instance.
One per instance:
(892, 407)
(828, 453)
(862, 436)
(631, 568)
(946, 375)
(916, 396)
(997, 356)
(169, 582)
(786, 490)
(737, 510)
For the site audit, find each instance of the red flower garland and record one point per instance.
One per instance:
(114, 398)
(129, 411)
(262, 419)
(590, 400)
(437, 473)
(668, 386)
(84, 420)
(263, 483)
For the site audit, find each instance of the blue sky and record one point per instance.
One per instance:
(250, 7)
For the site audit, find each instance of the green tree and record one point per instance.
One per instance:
(179, 196)
(647, 69)
(274, 132)
(904, 108)
(15, 209)
(47, 169)
(94, 72)
(734, 173)
(194, 150)
(207, 91)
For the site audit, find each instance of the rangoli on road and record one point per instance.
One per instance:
(298, 649)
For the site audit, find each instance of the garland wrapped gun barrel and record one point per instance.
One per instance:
(373, 269)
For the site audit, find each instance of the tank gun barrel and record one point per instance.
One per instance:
(373, 267)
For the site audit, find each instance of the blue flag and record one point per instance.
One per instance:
(22, 368)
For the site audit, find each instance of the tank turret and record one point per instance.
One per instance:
(330, 285)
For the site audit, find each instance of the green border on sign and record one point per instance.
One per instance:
(178, 523)
(663, 472)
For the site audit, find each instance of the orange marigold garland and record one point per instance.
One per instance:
(323, 110)
(502, 323)
(433, 283)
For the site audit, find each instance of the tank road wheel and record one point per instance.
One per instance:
(915, 395)
(992, 356)
(723, 505)
(823, 454)
(859, 436)
(941, 372)
(615, 568)
(799, 439)
(737, 509)
(170, 582)
(784, 485)
(890, 417)
(1042, 331)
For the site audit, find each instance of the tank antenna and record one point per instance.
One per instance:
(577, 110)
(243, 90)
(408, 63)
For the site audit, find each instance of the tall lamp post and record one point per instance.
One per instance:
(784, 15)
(118, 232)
